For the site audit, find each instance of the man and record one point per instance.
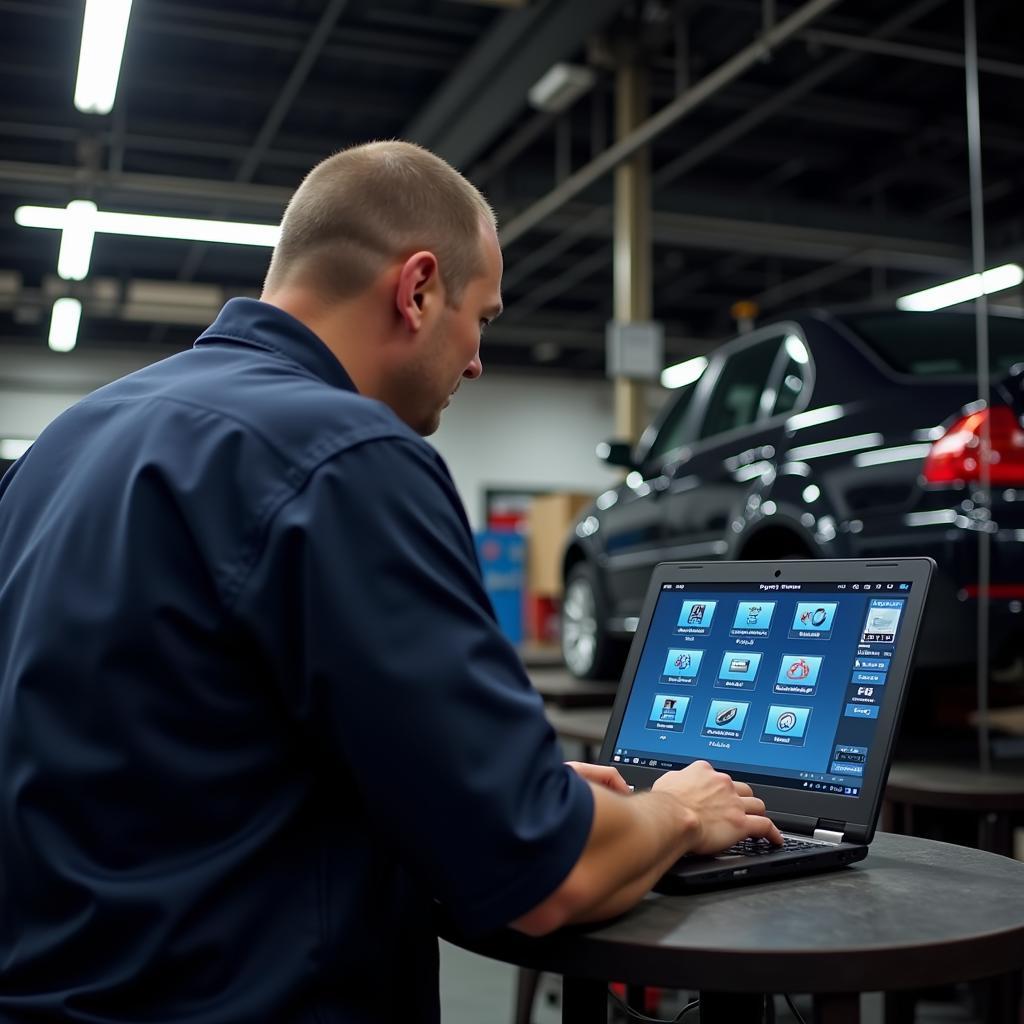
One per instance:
(255, 712)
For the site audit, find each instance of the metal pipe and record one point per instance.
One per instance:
(678, 108)
(907, 51)
(290, 90)
(781, 99)
(984, 384)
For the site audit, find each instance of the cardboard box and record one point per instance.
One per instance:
(550, 518)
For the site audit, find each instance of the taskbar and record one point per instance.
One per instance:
(836, 785)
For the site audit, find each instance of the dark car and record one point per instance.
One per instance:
(840, 435)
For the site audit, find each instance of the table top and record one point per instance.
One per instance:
(914, 913)
(559, 686)
(952, 785)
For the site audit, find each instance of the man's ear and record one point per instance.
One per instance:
(419, 286)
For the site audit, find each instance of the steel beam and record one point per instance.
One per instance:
(907, 51)
(488, 91)
(782, 99)
(275, 116)
(640, 137)
(290, 90)
(159, 188)
(788, 290)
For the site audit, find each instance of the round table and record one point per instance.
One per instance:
(915, 913)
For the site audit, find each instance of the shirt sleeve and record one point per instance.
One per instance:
(373, 618)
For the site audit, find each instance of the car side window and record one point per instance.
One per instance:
(671, 435)
(736, 399)
(791, 386)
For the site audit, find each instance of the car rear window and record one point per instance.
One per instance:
(938, 344)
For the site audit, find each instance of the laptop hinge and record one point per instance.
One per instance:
(830, 831)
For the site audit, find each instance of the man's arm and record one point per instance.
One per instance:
(634, 839)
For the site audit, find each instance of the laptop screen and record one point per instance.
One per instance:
(775, 683)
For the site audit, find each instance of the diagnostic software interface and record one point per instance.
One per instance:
(779, 683)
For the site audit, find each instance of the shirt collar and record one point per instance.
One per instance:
(262, 325)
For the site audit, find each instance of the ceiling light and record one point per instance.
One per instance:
(963, 290)
(99, 64)
(76, 240)
(681, 374)
(560, 87)
(145, 225)
(67, 313)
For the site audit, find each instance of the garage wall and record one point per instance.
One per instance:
(36, 384)
(502, 431)
(536, 434)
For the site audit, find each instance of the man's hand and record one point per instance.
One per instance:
(727, 811)
(633, 841)
(601, 775)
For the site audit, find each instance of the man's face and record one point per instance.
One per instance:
(450, 350)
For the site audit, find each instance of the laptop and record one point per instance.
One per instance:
(789, 675)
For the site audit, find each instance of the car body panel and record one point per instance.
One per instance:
(836, 474)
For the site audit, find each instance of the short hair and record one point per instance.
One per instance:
(368, 205)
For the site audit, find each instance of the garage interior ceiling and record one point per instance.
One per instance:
(833, 169)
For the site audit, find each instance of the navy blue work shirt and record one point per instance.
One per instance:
(255, 711)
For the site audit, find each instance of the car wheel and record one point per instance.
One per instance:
(587, 649)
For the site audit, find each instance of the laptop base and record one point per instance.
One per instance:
(698, 874)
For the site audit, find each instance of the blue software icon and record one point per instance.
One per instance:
(754, 615)
(697, 614)
(668, 712)
(725, 718)
(798, 673)
(787, 721)
(682, 663)
(814, 618)
(740, 666)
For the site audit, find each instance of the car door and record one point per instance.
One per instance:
(632, 525)
(738, 433)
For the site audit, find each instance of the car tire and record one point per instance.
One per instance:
(588, 651)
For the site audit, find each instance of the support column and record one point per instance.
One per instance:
(632, 235)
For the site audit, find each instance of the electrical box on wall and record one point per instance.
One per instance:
(634, 350)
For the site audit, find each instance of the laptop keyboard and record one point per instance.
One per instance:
(758, 847)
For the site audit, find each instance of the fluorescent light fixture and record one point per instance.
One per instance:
(12, 448)
(560, 87)
(963, 290)
(681, 374)
(67, 313)
(145, 225)
(796, 350)
(99, 64)
(76, 240)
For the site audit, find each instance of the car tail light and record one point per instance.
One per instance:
(956, 456)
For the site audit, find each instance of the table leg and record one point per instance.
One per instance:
(837, 1008)
(526, 993)
(998, 999)
(731, 1008)
(900, 1006)
(584, 1001)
